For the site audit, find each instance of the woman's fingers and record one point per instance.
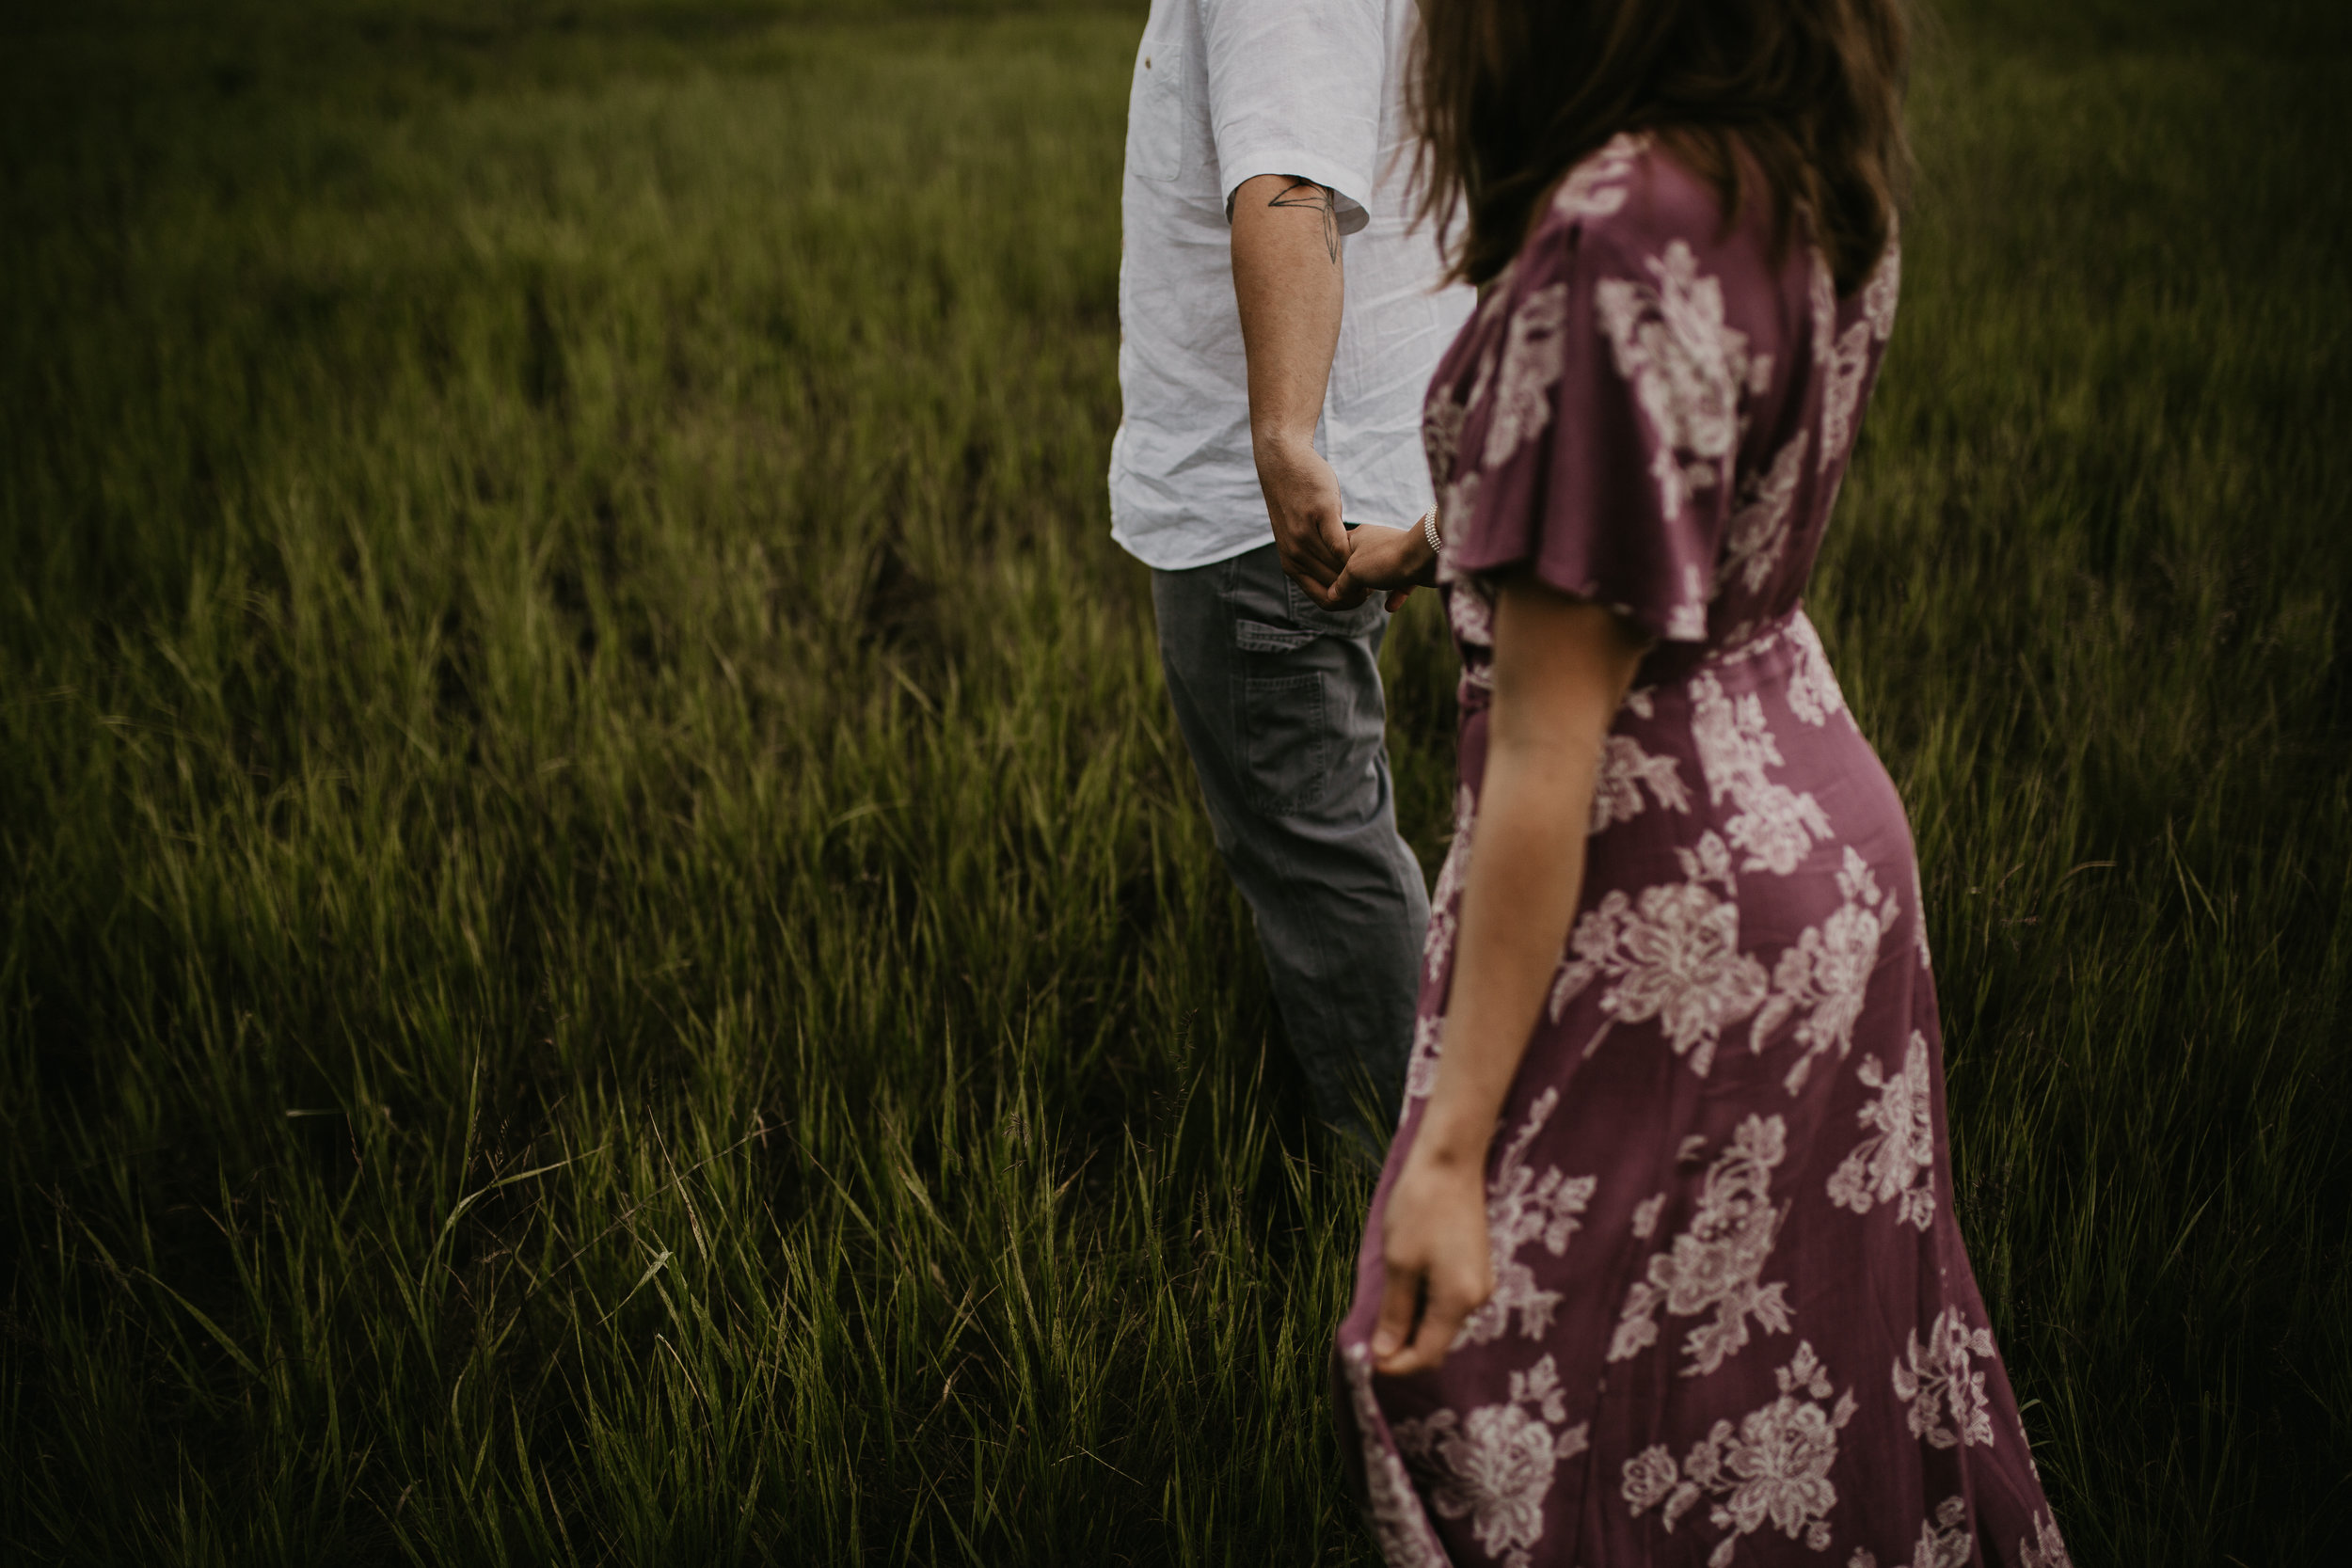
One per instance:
(1441, 1319)
(1373, 556)
(1440, 1322)
(1434, 1243)
(1395, 1323)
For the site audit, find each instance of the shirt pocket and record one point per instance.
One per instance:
(1157, 132)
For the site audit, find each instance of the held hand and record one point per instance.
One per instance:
(1302, 501)
(1394, 561)
(1438, 1262)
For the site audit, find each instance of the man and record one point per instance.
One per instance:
(1278, 326)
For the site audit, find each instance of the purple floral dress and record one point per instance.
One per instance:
(1733, 1320)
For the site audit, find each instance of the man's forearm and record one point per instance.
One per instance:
(1289, 283)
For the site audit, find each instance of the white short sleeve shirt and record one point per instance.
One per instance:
(1225, 90)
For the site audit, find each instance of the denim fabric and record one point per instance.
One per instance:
(1280, 705)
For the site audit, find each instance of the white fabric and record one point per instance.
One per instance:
(1225, 90)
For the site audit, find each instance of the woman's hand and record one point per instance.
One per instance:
(1439, 1266)
(1392, 559)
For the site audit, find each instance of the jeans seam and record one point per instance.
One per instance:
(1292, 865)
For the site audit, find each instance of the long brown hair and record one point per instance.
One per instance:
(1509, 94)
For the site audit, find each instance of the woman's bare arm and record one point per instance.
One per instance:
(1561, 668)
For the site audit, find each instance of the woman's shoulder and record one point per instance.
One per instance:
(1626, 202)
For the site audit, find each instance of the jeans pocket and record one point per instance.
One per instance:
(1287, 743)
(1256, 637)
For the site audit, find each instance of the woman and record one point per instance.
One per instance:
(1662, 1267)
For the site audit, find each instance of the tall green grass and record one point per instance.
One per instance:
(606, 949)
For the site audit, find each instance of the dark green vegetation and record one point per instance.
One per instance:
(606, 951)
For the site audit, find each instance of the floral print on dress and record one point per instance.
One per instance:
(2046, 1550)
(1522, 1208)
(1651, 411)
(1494, 1466)
(1625, 771)
(1775, 825)
(1674, 956)
(1879, 293)
(1850, 359)
(1441, 430)
(1531, 353)
(1398, 1522)
(1935, 1380)
(1825, 975)
(1813, 693)
(1919, 919)
(1759, 534)
(1773, 1468)
(1470, 614)
(1944, 1540)
(1896, 1165)
(1596, 187)
(1716, 1264)
(1673, 953)
(1420, 1066)
(1445, 899)
(1688, 367)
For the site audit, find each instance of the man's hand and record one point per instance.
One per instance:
(1302, 500)
(1391, 561)
(1288, 283)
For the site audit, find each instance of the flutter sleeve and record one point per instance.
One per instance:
(1596, 443)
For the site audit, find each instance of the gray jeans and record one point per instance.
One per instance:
(1281, 708)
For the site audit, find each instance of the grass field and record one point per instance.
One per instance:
(607, 952)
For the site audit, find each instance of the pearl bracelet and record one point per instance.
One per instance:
(1429, 531)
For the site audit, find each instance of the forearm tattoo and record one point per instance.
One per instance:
(1306, 192)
